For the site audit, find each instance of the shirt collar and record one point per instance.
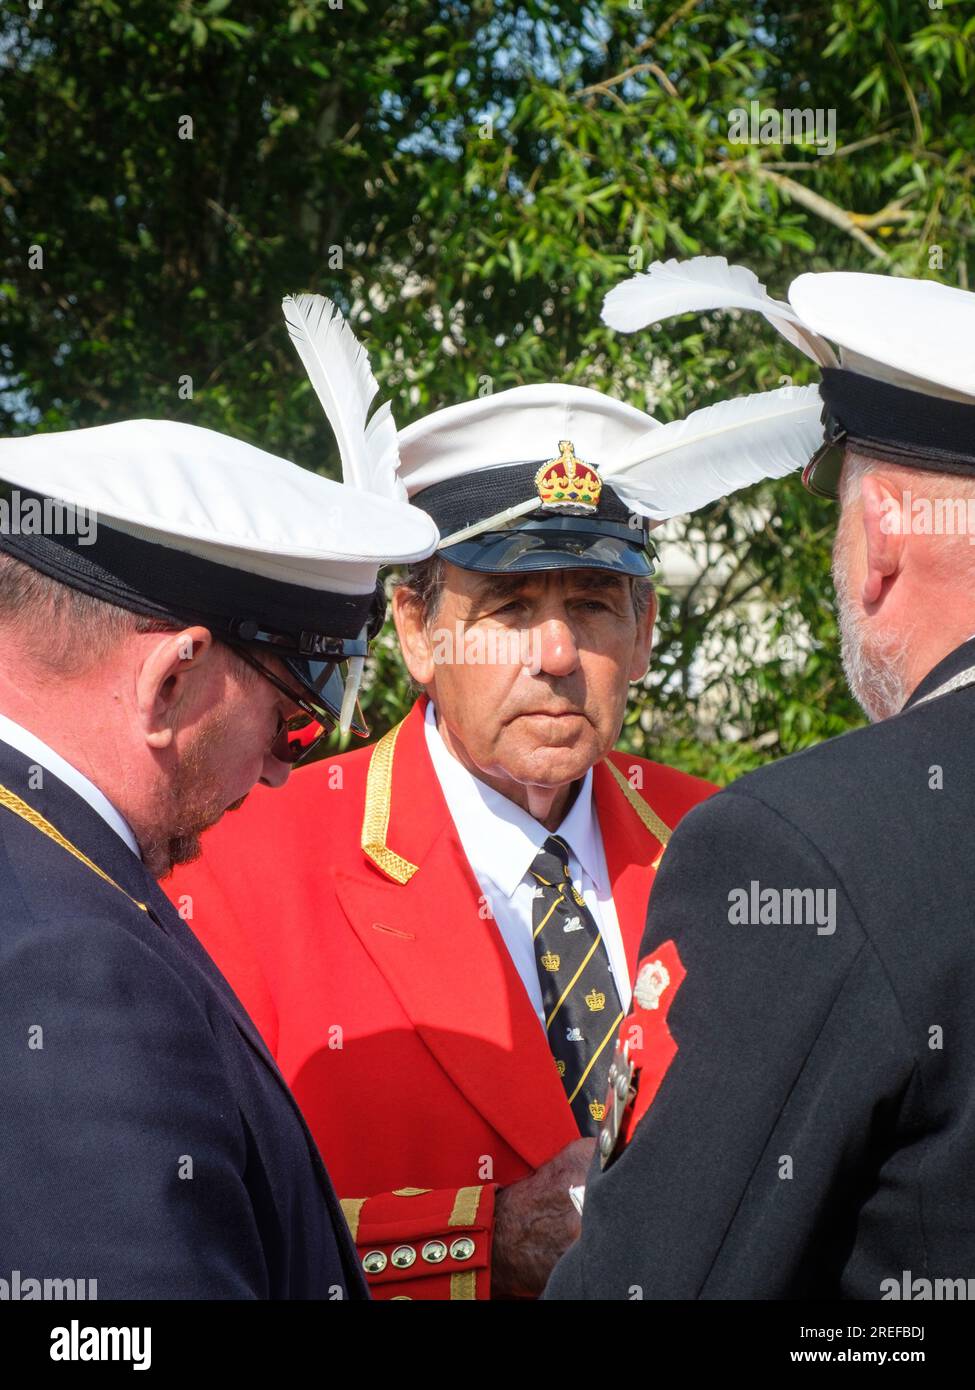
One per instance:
(36, 749)
(499, 838)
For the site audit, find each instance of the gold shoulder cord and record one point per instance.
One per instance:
(375, 820)
(34, 818)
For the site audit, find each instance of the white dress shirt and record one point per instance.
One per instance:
(501, 841)
(38, 751)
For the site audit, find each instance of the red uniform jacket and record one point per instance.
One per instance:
(344, 912)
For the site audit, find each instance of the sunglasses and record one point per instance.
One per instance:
(295, 738)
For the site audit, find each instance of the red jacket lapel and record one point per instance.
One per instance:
(446, 962)
(632, 854)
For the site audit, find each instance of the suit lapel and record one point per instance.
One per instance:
(80, 824)
(448, 964)
(632, 854)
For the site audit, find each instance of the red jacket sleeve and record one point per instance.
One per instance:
(427, 1243)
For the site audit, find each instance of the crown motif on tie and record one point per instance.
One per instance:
(551, 961)
(597, 1110)
(566, 484)
(596, 1001)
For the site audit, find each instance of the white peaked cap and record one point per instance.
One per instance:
(197, 527)
(913, 333)
(475, 466)
(522, 425)
(205, 494)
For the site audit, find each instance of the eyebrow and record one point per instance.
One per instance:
(508, 585)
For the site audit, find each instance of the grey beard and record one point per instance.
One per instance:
(875, 667)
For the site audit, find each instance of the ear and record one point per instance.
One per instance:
(414, 639)
(643, 642)
(883, 533)
(168, 677)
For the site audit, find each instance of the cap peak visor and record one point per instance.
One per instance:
(556, 543)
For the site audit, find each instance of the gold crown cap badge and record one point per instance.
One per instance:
(566, 484)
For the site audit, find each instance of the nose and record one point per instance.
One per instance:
(558, 653)
(274, 772)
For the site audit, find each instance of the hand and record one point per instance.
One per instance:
(535, 1223)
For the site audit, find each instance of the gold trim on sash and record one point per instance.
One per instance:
(464, 1284)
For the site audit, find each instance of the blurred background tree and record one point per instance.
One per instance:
(466, 180)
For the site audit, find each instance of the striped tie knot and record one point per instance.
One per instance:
(551, 863)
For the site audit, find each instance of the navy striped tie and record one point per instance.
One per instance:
(579, 995)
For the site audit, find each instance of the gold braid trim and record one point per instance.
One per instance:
(463, 1284)
(375, 820)
(352, 1210)
(35, 819)
(466, 1203)
(658, 829)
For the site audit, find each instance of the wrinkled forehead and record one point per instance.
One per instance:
(479, 585)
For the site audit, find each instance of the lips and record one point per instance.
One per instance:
(550, 714)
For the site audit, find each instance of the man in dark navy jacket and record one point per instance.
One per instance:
(155, 662)
(792, 1113)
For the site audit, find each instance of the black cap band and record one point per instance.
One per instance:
(899, 425)
(162, 582)
(463, 501)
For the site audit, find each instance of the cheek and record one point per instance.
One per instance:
(607, 676)
(475, 692)
(245, 744)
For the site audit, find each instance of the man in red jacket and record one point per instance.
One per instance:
(436, 934)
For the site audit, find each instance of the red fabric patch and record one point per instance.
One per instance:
(650, 1046)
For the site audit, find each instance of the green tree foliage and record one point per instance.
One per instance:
(466, 180)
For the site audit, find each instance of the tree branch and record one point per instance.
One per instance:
(680, 13)
(847, 221)
(653, 68)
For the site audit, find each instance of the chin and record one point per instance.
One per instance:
(549, 766)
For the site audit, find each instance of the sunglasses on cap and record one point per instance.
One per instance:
(296, 738)
(317, 664)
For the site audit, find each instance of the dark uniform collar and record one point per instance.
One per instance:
(80, 823)
(73, 816)
(949, 666)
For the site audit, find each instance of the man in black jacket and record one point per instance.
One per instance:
(174, 605)
(792, 1112)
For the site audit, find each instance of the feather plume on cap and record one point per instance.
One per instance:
(687, 464)
(339, 369)
(703, 283)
